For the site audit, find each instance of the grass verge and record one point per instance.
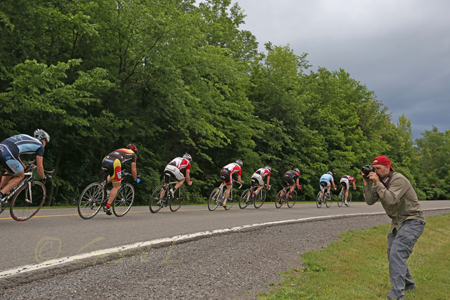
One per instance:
(356, 267)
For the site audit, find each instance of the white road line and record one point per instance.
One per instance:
(186, 237)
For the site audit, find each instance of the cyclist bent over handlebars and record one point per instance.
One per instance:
(10, 150)
(291, 178)
(174, 169)
(113, 164)
(226, 174)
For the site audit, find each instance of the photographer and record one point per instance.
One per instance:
(401, 204)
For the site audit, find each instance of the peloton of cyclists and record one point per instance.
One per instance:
(174, 169)
(113, 164)
(12, 148)
(345, 183)
(291, 178)
(326, 181)
(258, 179)
(226, 175)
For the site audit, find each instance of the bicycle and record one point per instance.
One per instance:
(27, 197)
(256, 200)
(95, 196)
(283, 197)
(218, 196)
(157, 201)
(341, 198)
(326, 198)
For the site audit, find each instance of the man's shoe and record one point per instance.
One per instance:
(345, 202)
(107, 210)
(172, 193)
(224, 205)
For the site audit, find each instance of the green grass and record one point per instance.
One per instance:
(356, 267)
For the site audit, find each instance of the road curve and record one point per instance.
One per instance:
(58, 233)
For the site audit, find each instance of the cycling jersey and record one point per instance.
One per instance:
(258, 176)
(227, 172)
(180, 163)
(349, 178)
(345, 181)
(113, 162)
(290, 177)
(326, 180)
(175, 166)
(12, 147)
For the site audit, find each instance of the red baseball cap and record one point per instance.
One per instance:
(382, 160)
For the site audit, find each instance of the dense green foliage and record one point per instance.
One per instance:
(172, 77)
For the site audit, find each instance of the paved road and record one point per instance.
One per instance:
(56, 233)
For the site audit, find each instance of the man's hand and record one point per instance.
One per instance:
(48, 178)
(374, 177)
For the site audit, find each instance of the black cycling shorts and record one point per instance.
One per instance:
(288, 179)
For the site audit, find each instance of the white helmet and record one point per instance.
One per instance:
(187, 156)
(268, 168)
(41, 135)
(330, 173)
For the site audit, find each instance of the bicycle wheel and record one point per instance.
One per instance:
(90, 201)
(329, 199)
(28, 201)
(279, 200)
(179, 197)
(259, 201)
(243, 202)
(233, 198)
(214, 199)
(156, 203)
(123, 201)
(318, 200)
(341, 198)
(349, 200)
(292, 199)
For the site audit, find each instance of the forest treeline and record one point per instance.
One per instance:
(172, 77)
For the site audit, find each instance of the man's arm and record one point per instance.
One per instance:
(40, 166)
(188, 176)
(268, 181)
(397, 189)
(134, 171)
(239, 179)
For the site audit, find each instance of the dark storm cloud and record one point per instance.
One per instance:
(399, 49)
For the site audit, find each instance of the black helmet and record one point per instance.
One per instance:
(41, 135)
(187, 156)
(240, 163)
(133, 148)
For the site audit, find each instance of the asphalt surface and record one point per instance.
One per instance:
(57, 233)
(232, 266)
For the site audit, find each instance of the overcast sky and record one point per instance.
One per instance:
(398, 48)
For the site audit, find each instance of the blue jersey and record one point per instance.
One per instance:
(326, 178)
(25, 144)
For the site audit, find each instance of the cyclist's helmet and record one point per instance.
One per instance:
(132, 147)
(330, 173)
(268, 168)
(240, 163)
(41, 135)
(297, 170)
(187, 156)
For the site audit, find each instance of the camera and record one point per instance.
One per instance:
(366, 170)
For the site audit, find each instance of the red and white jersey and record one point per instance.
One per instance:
(180, 163)
(233, 168)
(349, 178)
(263, 172)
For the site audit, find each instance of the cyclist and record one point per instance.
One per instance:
(326, 181)
(12, 148)
(291, 178)
(174, 169)
(345, 183)
(226, 174)
(113, 164)
(258, 178)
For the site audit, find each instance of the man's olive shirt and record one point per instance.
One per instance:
(399, 199)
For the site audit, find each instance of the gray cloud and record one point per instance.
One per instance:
(400, 49)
